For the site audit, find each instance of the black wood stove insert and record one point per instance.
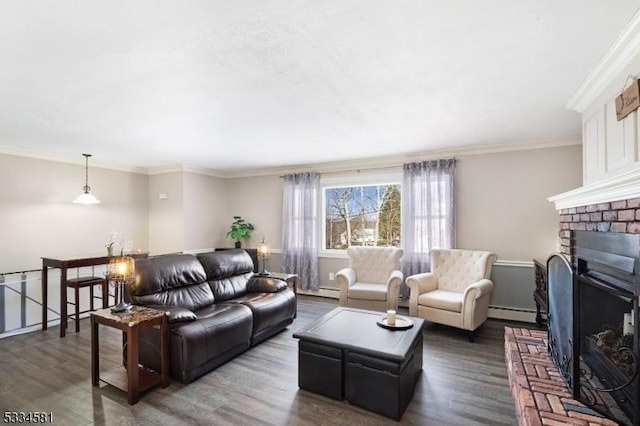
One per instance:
(593, 318)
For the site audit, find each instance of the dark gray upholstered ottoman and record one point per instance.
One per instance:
(346, 355)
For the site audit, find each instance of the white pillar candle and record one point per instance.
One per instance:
(391, 317)
(627, 326)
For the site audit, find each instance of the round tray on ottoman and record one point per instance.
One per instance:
(402, 323)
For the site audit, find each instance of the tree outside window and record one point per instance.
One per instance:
(362, 216)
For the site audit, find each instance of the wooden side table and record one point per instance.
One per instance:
(292, 282)
(134, 378)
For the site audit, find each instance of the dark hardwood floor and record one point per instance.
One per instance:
(462, 383)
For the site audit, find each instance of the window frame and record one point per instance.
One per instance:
(342, 180)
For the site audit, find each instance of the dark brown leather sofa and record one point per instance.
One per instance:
(217, 308)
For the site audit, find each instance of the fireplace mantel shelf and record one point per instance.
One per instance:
(622, 186)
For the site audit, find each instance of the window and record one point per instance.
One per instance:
(360, 213)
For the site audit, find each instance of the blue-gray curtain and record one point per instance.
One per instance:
(300, 227)
(428, 213)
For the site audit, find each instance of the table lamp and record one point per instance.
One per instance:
(263, 253)
(121, 272)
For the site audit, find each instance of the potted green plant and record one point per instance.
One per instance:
(240, 230)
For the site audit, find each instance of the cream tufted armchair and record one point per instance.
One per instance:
(457, 290)
(373, 278)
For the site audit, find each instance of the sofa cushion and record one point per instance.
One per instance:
(227, 272)
(173, 280)
(219, 327)
(176, 313)
(220, 332)
(259, 284)
(442, 299)
(367, 291)
(270, 310)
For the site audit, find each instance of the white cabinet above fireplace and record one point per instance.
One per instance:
(610, 148)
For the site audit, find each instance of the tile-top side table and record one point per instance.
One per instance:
(134, 379)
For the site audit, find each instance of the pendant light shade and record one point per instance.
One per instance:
(86, 197)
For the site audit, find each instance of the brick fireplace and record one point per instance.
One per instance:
(533, 400)
(615, 216)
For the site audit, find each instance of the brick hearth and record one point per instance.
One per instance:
(541, 396)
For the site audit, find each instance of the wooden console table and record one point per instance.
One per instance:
(136, 378)
(65, 263)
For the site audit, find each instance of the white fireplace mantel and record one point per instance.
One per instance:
(615, 188)
(610, 147)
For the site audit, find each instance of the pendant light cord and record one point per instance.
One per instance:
(86, 173)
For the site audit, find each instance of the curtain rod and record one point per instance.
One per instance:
(332, 172)
(370, 168)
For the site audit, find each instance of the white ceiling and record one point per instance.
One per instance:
(240, 85)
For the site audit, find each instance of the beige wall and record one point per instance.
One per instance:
(502, 200)
(501, 206)
(259, 201)
(38, 219)
(204, 207)
(187, 211)
(165, 222)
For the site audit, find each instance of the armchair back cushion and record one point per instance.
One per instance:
(173, 279)
(373, 265)
(228, 272)
(455, 270)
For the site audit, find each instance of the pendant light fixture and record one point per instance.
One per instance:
(86, 197)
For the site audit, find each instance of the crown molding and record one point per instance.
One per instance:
(399, 160)
(610, 68)
(182, 168)
(327, 167)
(48, 156)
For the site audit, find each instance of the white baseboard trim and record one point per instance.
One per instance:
(512, 314)
(497, 312)
(322, 292)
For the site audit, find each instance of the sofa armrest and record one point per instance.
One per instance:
(478, 289)
(475, 303)
(176, 313)
(258, 284)
(418, 284)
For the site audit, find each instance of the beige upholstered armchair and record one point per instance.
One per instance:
(457, 290)
(373, 278)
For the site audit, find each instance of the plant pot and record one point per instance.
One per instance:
(109, 251)
(238, 244)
